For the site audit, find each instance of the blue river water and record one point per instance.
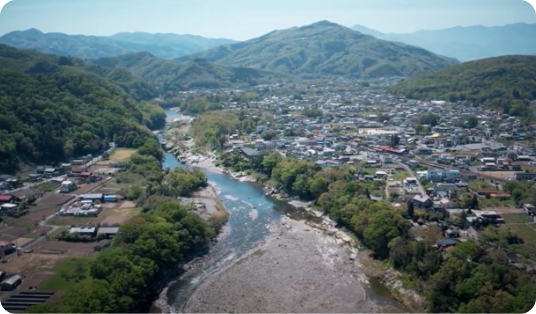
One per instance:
(241, 233)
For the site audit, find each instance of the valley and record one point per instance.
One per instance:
(311, 169)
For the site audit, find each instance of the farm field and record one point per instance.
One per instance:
(517, 218)
(69, 272)
(119, 154)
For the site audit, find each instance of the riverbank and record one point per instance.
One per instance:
(207, 205)
(297, 269)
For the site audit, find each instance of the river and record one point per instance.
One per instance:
(240, 235)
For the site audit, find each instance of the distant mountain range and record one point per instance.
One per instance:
(468, 43)
(168, 75)
(325, 48)
(167, 46)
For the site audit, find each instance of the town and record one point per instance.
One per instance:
(461, 167)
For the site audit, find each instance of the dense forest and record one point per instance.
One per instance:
(52, 108)
(470, 278)
(504, 83)
(150, 244)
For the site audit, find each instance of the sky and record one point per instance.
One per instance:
(246, 19)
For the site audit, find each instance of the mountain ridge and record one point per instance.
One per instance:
(167, 46)
(325, 48)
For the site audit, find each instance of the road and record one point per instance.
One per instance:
(412, 174)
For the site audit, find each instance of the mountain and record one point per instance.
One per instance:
(505, 83)
(52, 108)
(325, 48)
(468, 43)
(166, 46)
(169, 75)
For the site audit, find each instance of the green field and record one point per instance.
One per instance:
(517, 218)
(69, 272)
(400, 175)
(528, 233)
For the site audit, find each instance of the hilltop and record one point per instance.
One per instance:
(468, 43)
(170, 75)
(166, 46)
(52, 108)
(325, 48)
(503, 82)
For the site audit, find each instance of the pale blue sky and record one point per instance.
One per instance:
(245, 19)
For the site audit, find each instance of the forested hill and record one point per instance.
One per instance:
(506, 83)
(172, 75)
(325, 48)
(52, 108)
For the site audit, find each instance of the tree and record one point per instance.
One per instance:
(472, 122)
(411, 209)
(367, 193)
(394, 140)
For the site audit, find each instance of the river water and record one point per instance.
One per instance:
(240, 235)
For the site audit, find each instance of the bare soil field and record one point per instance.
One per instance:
(70, 248)
(86, 188)
(119, 154)
(101, 169)
(28, 264)
(498, 174)
(504, 210)
(54, 199)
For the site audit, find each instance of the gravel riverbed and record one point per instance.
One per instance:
(297, 269)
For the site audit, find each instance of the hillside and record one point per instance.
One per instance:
(166, 46)
(52, 108)
(172, 75)
(503, 82)
(468, 43)
(325, 48)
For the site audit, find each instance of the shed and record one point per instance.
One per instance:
(94, 197)
(110, 198)
(108, 232)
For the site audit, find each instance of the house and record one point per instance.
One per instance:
(529, 208)
(525, 176)
(8, 209)
(445, 243)
(11, 283)
(261, 128)
(422, 201)
(67, 186)
(8, 198)
(7, 247)
(248, 152)
(85, 231)
(50, 172)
